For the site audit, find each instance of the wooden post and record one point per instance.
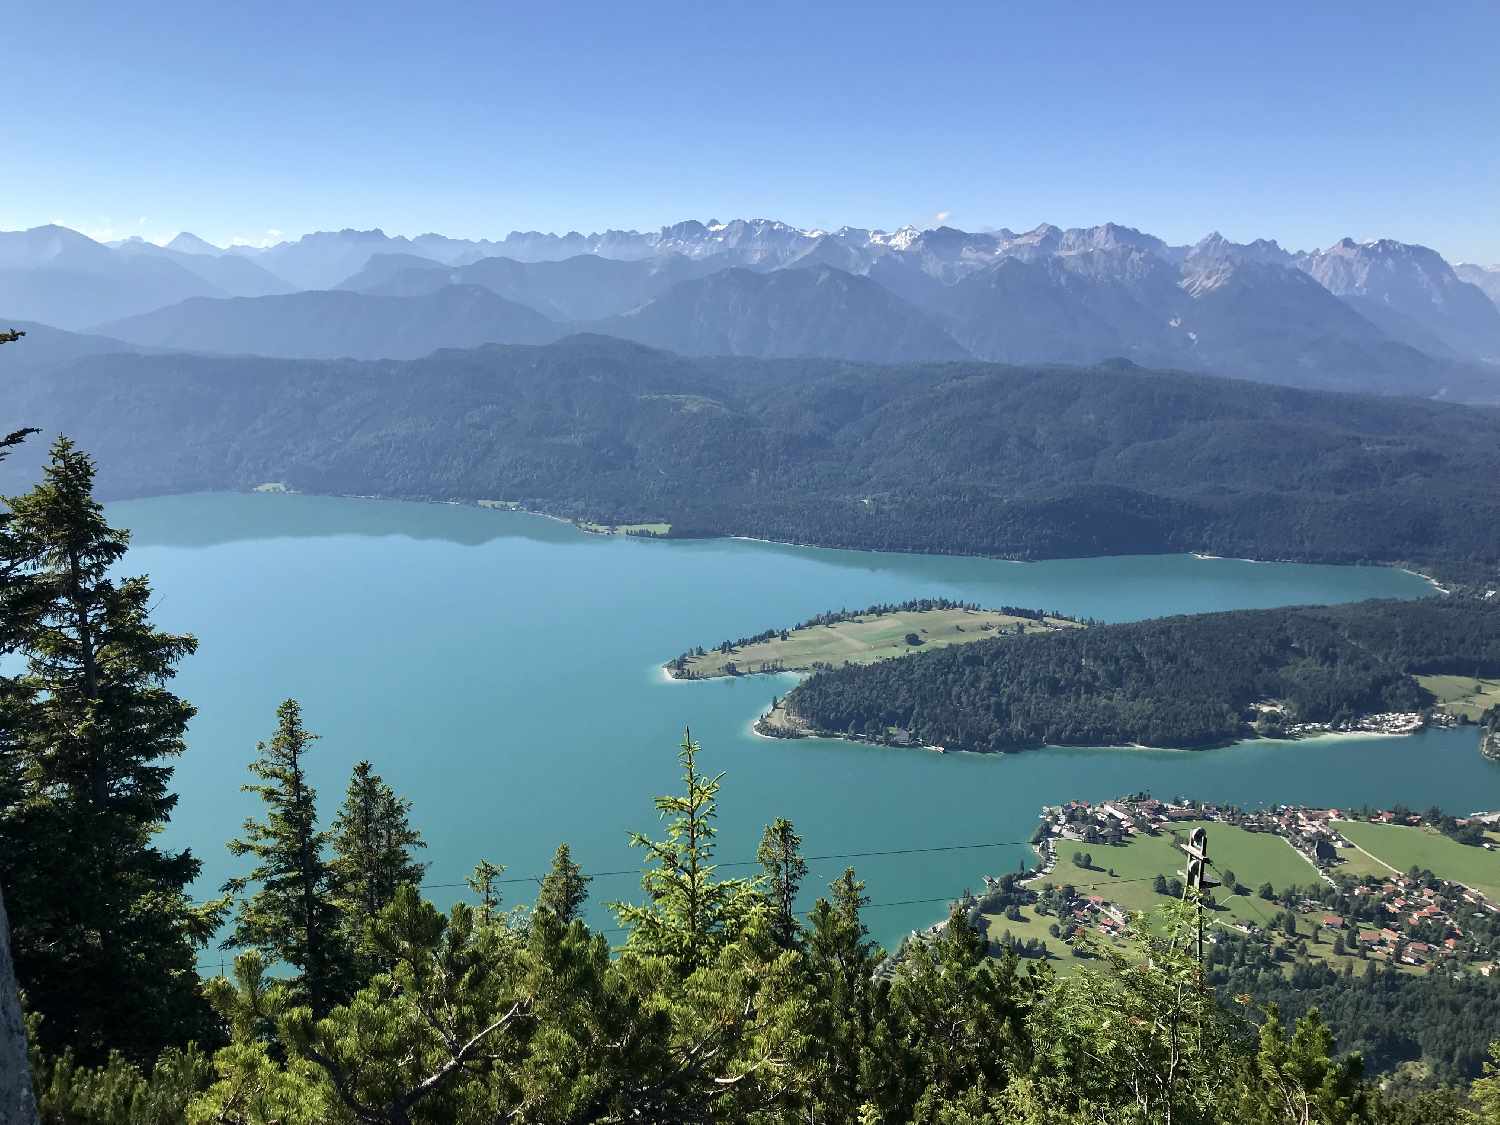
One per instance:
(1199, 880)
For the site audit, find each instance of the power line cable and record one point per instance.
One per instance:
(866, 906)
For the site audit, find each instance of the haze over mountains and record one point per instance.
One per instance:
(1380, 316)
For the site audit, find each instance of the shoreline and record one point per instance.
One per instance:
(936, 553)
(799, 731)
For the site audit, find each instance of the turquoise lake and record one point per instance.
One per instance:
(502, 671)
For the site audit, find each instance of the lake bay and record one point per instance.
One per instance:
(502, 671)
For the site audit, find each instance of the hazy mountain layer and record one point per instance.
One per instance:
(818, 311)
(1379, 316)
(333, 323)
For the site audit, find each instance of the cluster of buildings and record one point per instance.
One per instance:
(1442, 915)
(1310, 831)
(1401, 920)
(1271, 718)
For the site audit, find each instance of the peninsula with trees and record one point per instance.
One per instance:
(1184, 682)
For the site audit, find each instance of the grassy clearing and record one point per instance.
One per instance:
(1135, 865)
(1034, 925)
(1465, 696)
(866, 639)
(1403, 848)
(1254, 857)
(1356, 864)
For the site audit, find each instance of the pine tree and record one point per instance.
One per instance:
(292, 915)
(1299, 1079)
(841, 963)
(16, 1101)
(373, 844)
(690, 915)
(780, 856)
(1486, 1090)
(565, 888)
(482, 882)
(90, 725)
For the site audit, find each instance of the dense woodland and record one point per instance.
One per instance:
(963, 457)
(1183, 681)
(1436, 1020)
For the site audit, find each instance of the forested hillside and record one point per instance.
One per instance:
(1176, 681)
(964, 457)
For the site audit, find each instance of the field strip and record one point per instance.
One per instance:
(1321, 874)
(1484, 899)
(1376, 858)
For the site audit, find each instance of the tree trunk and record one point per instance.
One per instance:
(98, 782)
(17, 1099)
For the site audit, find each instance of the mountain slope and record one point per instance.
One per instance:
(1397, 285)
(45, 347)
(330, 323)
(1226, 309)
(816, 311)
(324, 258)
(580, 288)
(231, 275)
(957, 457)
(1486, 278)
(59, 277)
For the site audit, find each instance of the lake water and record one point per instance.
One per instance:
(502, 671)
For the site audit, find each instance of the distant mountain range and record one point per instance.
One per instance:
(1379, 316)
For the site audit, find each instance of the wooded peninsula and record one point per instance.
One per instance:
(1177, 682)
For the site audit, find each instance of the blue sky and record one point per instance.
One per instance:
(1303, 122)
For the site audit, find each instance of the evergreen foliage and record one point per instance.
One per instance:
(373, 844)
(482, 881)
(690, 914)
(473, 1016)
(292, 915)
(782, 872)
(90, 727)
(565, 888)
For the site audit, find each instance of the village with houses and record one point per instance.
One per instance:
(1407, 890)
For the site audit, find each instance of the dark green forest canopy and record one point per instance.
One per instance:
(960, 457)
(1176, 681)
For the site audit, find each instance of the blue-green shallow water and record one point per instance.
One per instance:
(502, 671)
